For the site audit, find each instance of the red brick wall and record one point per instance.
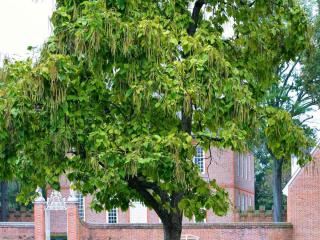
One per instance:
(73, 223)
(238, 231)
(230, 217)
(90, 215)
(39, 221)
(16, 231)
(245, 182)
(20, 216)
(220, 164)
(304, 201)
(255, 216)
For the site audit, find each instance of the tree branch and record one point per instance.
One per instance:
(291, 71)
(141, 186)
(304, 120)
(195, 17)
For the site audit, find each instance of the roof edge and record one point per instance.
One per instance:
(285, 190)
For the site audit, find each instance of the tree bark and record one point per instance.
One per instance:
(4, 201)
(172, 227)
(171, 233)
(277, 189)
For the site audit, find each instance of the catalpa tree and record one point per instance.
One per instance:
(128, 88)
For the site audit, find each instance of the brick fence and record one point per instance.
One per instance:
(260, 215)
(22, 215)
(223, 231)
(16, 231)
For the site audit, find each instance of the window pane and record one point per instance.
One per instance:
(112, 216)
(246, 165)
(242, 203)
(199, 159)
(81, 206)
(249, 164)
(241, 164)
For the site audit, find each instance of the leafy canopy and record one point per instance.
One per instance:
(130, 86)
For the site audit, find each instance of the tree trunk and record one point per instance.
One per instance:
(172, 229)
(4, 201)
(277, 189)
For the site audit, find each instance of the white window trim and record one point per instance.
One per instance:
(117, 217)
(246, 166)
(242, 165)
(239, 201)
(84, 208)
(249, 166)
(189, 237)
(203, 160)
(194, 220)
(238, 166)
(242, 206)
(134, 205)
(82, 198)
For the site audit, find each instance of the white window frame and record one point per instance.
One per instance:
(242, 207)
(203, 220)
(81, 206)
(116, 216)
(238, 166)
(239, 201)
(246, 165)
(242, 165)
(143, 207)
(249, 165)
(189, 237)
(203, 160)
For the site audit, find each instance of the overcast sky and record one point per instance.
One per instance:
(26, 23)
(23, 23)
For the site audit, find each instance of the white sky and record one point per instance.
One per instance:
(23, 23)
(26, 23)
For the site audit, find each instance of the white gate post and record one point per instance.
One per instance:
(47, 221)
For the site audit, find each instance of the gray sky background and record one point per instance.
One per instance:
(26, 23)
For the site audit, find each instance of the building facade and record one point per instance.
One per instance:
(232, 171)
(303, 214)
(303, 202)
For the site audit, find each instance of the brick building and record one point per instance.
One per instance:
(303, 210)
(303, 203)
(234, 172)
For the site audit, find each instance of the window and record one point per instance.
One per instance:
(138, 213)
(189, 237)
(81, 206)
(242, 208)
(238, 167)
(199, 221)
(239, 201)
(113, 216)
(243, 165)
(199, 159)
(250, 202)
(202, 220)
(246, 165)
